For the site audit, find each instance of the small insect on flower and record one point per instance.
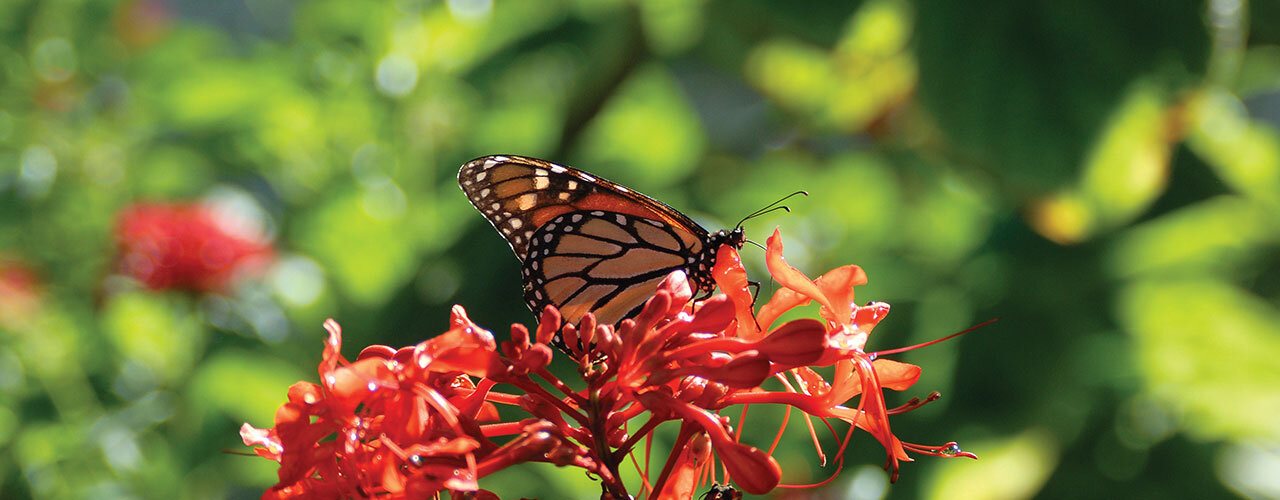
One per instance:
(725, 492)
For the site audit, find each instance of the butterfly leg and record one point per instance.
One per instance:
(755, 294)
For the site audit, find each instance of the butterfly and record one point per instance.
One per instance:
(587, 244)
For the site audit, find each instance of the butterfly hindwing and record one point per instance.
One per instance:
(605, 262)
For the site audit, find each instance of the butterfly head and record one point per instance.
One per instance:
(734, 237)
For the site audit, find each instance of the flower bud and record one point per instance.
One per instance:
(536, 358)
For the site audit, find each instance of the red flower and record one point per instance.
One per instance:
(413, 422)
(857, 373)
(187, 246)
(20, 292)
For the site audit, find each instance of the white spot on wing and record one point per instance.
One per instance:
(558, 169)
(527, 200)
(480, 176)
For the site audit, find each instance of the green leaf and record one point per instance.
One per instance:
(1009, 468)
(648, 128)
(156, 331)
(1208, 350)
(359, 235)
(245, 386)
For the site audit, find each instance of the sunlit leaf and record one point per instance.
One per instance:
(1208, 350)
(1010, 468)
(243, 386)
(1128, 165)
(528, 127)
(1063, 218)
(648, 126)
(154, 331)
(875, 71)
(1219, 234)
(672, 25)
(798, 76)
(360, 237)
(1243, 152)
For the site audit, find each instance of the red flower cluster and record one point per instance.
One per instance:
(420, 420)
(188, 246)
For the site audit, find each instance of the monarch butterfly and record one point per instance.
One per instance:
(587, 244)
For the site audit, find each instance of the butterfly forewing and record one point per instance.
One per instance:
(519, 194)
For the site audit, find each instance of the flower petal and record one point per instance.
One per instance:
(742, 372)
(896, 375)
(751, 468)
(797, 342)
(837, 285)
(683, 481)
(677, 284)
(731, 277)
(790, 277)
(713, 315)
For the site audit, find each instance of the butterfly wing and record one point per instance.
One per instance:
(586, 244)
(608, 263)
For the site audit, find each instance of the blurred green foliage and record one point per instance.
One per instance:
(1102, 176)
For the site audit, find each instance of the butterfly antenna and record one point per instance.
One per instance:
(772, 207)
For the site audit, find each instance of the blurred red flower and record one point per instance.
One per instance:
(20, 292)
(413, 422)
(191, 246)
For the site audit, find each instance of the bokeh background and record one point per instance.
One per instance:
(1102, 176)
